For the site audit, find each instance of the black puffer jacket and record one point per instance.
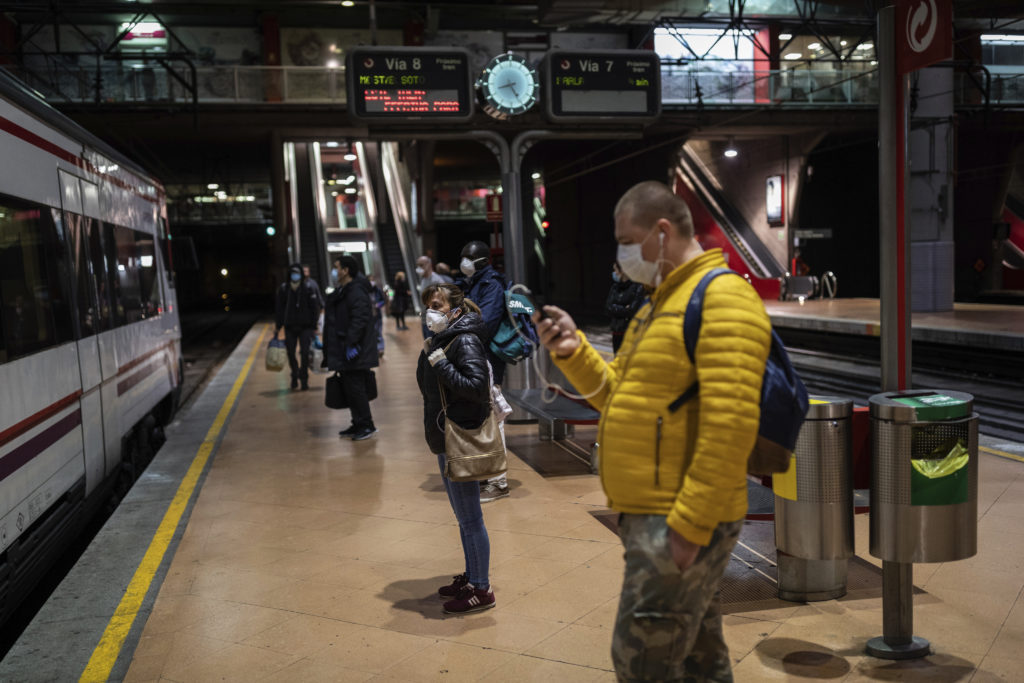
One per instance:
(348, 321)
(464, 375)
(624, 300)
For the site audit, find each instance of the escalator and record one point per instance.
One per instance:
(396, 240)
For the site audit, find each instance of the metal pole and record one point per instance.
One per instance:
(897, 640)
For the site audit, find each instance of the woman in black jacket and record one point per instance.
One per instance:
(624, 299)
(455, 358)
(401, 300)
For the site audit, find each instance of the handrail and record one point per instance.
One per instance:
(852, 84)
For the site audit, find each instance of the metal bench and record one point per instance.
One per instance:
(555, 420)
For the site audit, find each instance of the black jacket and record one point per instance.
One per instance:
(624, 300)
(348, 322)
(464, 376)
(298, 308)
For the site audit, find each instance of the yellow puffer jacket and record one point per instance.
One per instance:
(691, 464)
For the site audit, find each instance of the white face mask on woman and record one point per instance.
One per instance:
(437, 321)
(633, 265)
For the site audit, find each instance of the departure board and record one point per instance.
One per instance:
(403, 84)
(602, 85)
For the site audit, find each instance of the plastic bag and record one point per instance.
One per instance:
(937, 468)
(316, 359)
(276, 357)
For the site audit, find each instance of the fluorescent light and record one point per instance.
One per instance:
(535, 176)
(347, 3)
(842, 42)
(212, 186)
(332, 144)
(332, 63)
(1001, 38)
(793, 55)
(338, 247)
(350, 190)
(866, 46)
(334, 194)
(814, 46)
(351, 156)
(121, 268)
(785, 36)
(348, 181)
(146, 261)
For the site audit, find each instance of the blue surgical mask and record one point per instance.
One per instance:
(296, 277)
(334, 274)
(615, 277)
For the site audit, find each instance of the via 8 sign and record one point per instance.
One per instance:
(407, 84)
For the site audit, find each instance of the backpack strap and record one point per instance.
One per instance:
(691, 330)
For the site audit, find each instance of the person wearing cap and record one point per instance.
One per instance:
(297, 311)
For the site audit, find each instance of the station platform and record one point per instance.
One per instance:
(259, 546)
(987, 326)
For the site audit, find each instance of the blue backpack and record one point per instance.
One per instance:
(783, 396)
(516, 337)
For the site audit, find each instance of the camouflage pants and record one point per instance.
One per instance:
(669, 624)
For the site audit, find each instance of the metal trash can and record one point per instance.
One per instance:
(924, 480)
(814, 505)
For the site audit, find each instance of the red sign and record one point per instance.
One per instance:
(494, 208)
(924, 33)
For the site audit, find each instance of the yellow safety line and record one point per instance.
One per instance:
(109, 648)
(1002, 454)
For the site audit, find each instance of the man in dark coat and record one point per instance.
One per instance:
(297, 310)
(350, 342)
(485, 287)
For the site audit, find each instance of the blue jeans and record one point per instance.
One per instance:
(464, 497)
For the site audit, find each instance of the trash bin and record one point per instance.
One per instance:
(924, 482)
(814, 505)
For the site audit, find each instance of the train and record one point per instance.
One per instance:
(90, 337)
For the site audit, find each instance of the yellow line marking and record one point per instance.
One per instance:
(104, 657)
(1002, 454)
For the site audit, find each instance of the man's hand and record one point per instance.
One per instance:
(557, 332)
(683, 552)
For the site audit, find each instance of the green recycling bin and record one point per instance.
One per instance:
(814, 505)
(924, 479)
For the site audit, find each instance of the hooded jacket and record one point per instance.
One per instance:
(348, 322)
(463, 372)
(691, 464)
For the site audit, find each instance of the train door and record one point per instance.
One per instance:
(80, 200)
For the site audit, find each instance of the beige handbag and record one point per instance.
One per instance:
(472, 454)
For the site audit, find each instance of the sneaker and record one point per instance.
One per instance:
(295, 382)
(364, 434)
(468, 600)
(348, 432)
(452, 589)
(489, 492)
(305, 385)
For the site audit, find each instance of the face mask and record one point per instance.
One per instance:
(419, 271)
(334, 274)
(436, 321)
(633, 265)
(467, 267)
(615, 277)
(296, 277)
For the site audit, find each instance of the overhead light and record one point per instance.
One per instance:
(334, 194)
(146, 261)
(842, 42)
(350, 190)
(348, 181)
(874, 63)
(814, 46)
(348, 3)
(785, 36)
(793, 55)
(1001, 38)
(730, 149)
(271, 231)
(212, 186)
(332, 143)
(535, 176)
(351, 156)
(866, 46)
(332, 63)
(224, 272)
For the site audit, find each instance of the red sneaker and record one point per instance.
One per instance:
(452, 589)
(468, 600)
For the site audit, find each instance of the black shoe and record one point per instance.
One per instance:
(295, 382)
(364, 434)
(305, 385)
(348, 432)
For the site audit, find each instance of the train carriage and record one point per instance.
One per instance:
(90, 341)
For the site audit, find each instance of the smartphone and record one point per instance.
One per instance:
(537, 303)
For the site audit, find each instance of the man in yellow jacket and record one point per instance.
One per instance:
(678, 477)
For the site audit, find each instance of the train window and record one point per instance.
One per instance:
(101, 274)
(113, 270)
(36, 310)
(136, 288)
(91, 312)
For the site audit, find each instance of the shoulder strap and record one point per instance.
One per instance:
(691, 330)
(440, 386)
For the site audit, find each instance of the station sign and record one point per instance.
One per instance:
(612, 86)
(399, 84)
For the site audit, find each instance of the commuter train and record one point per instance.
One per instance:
(90, 341)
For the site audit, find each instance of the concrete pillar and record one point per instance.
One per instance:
(931, 192)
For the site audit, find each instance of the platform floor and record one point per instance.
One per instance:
(987, 325)
(311, 558)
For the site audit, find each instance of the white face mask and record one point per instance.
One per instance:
(419, 271)
(467, 267)
(436, 321)
(633, 265)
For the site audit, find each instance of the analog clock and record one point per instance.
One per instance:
(508, 86)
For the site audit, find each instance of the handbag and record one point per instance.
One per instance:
(276, 356)
(472, 454)
(334, 393)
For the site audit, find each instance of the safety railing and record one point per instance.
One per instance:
(683, 85)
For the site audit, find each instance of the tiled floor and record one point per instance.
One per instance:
(311, 558)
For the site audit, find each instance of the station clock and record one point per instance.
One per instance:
(508, 86)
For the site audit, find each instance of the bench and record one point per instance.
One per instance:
(556, 419)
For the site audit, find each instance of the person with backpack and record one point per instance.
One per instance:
(484, 285)
(677, 477)
(297, 311)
